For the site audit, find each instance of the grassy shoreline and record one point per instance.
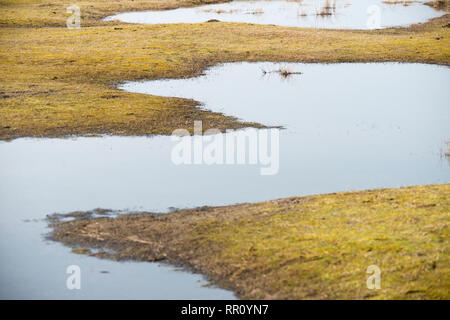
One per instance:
(58, 82)
(443, 5)
(314, 247)
(45, 13)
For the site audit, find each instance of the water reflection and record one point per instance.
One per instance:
(348, 127)
(294, 13)
(447, 153)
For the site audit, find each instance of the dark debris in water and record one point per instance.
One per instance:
(81, 215)
(82, 251)
(284, 72)
(31, 220)
(64, 231)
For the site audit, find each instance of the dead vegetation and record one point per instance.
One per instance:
(44, 13)
(284, 72)
(404, 3)
(328, 9)
(443, 5)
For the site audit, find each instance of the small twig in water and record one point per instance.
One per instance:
(284, 72)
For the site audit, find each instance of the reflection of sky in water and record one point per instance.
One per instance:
(348, 127)
(306, 13)
(35, 269)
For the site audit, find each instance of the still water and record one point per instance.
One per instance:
(341, 14)
(347, 127)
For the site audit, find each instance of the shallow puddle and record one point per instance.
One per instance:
(360, 14)
(348, 127)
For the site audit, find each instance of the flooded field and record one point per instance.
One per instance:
(386, 125)
(346, 14)
(41, 176)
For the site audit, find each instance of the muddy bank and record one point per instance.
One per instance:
(443, 5)
(304, 247)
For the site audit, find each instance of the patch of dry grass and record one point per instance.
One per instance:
(316, 247)
(56, 81)
(404, 3)
(40, 13)
(59, 81)
(443, 5)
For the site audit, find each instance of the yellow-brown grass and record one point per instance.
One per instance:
(40, 13)
(59, 81)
